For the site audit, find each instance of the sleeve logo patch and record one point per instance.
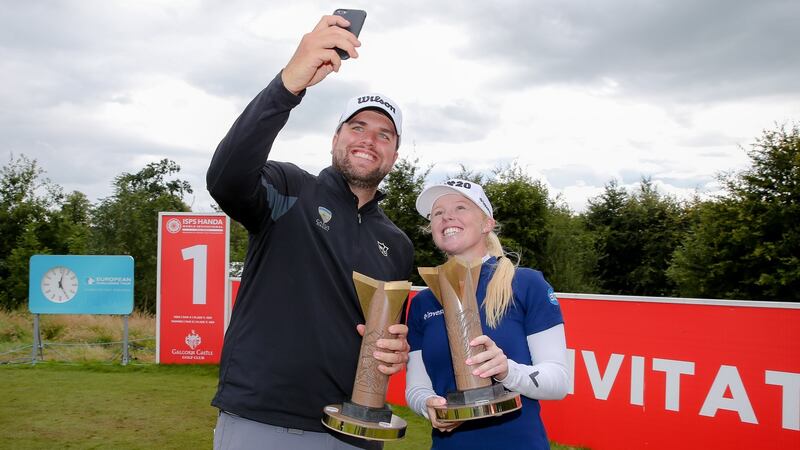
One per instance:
(551, 295)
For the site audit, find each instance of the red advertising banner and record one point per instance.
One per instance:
(396, 391)
(192, 287)
(679, 373)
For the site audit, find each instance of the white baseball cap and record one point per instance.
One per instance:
(469, 189)
(377, 101)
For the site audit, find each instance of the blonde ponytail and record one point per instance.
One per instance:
(498, 294)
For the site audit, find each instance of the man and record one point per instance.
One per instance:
(292, 345)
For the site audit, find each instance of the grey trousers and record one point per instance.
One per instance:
(237, 433)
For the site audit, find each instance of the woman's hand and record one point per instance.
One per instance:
(436, 401)
(491, 362)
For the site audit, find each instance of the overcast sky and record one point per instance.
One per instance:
(576, 92)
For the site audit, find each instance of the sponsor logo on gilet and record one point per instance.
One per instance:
(326, 216)
(383, 248)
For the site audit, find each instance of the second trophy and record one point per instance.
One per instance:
(366, 415)
(455, 284)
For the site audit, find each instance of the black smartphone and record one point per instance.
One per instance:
(356, 17)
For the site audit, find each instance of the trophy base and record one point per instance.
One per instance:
(506, 403)
(374, 431)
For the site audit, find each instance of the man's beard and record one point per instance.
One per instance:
(369, 180)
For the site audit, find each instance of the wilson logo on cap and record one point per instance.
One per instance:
(376, 99)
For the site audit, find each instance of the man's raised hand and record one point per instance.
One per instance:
(316, 56)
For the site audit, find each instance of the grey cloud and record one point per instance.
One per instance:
(99, 163)
(57, 52)
(700, 183)
(683, 51)
(76, 53)
(319, 111)
(710, 139)
(456, 122)
(561, 177)
(571, 175)
(74, 56)
(718, 154)
(69, 51)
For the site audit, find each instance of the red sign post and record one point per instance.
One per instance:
(192, 287)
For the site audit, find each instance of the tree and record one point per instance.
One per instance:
(14, 292)
(702, 263)
(74, 223)
(570, 257)
(744, 244)
(635, 236)
(602, 220)
(238, 241)
(521, 209)
(25, 197)
(27, 201)
(662, 218)
(127, 222)
(402, 186)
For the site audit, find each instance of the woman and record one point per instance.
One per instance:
(521, 320)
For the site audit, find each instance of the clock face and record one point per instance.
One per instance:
(59, 284)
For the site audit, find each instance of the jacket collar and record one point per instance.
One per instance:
(335, 180)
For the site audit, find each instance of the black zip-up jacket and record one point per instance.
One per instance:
(292, 347)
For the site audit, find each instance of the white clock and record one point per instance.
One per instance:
(59, 284)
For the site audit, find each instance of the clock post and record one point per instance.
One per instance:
(36, 353)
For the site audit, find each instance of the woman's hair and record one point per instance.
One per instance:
(498, 294)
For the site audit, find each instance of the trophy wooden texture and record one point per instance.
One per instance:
(455, 284)
(366, 415)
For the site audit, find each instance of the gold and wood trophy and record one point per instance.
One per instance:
(367, 415)
(455, 284)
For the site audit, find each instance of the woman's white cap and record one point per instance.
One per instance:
(469, 189)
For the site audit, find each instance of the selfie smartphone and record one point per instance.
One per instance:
(356, 18)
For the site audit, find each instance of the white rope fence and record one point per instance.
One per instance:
(54, 346)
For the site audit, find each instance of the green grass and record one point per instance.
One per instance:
(101, 405)
(106, 406)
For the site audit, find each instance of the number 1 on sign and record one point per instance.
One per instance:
(199, 255)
